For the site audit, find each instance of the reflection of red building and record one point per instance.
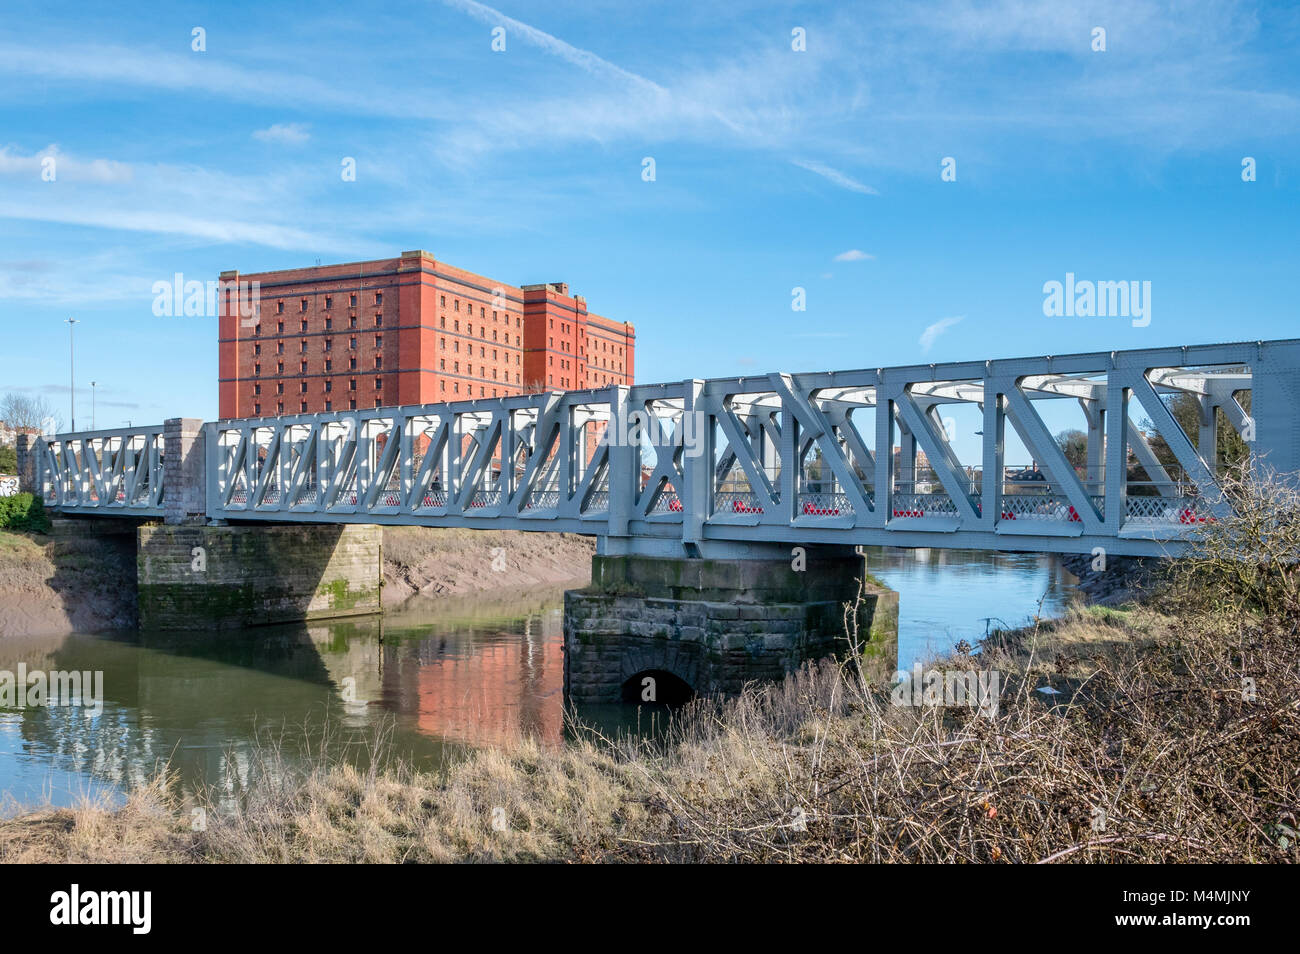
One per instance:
(408, 330)
(503, 690)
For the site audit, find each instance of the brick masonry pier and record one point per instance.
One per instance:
(716, 624)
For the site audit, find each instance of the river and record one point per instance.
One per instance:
(429, 681)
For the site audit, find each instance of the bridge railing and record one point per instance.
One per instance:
(117, 471)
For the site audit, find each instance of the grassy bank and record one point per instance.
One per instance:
(1162, 732)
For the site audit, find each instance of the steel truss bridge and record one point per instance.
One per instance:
(840, 457)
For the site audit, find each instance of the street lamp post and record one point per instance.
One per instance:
(92, 405)
(72, 388)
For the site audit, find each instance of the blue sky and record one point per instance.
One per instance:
(774, 169)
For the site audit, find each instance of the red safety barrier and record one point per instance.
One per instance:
(813, 510)
(675, 506)
(739, 506)
(909, 513)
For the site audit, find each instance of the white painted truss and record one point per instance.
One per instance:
(776, 458)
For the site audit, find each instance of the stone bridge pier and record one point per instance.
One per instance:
(662, 627)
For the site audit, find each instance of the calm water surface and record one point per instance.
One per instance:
(433, 678)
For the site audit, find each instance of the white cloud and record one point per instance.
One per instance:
(932, 332)
(290, 134)
(65, 167)
(834, 176)
(853, 255)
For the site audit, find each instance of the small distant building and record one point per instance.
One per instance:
(9, 435)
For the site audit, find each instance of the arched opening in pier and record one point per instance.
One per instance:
(657, 687)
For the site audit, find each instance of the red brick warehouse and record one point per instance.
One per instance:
(408, 330)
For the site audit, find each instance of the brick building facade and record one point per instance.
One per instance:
(408, 330)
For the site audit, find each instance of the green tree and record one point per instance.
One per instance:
(1231, 449)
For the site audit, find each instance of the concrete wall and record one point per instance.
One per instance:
(197, 576)
(717, 624)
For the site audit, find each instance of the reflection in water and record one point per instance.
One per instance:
(436, 675)
(945, 596)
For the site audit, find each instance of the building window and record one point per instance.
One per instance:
(352, 322)
(378, 402)
(257, 349)
(329, 301)
(352, 342)
(379, 384)
(379, 341)
(329, 386)
(303, 407)
(279, 307)
(257, 330)
(257, 409)
(379, 320)
(302, 368)
(257, 389)
(352, 363)
(379, 298)
(303, 306)
(329, 405)
(329, 344)
(329, 323)
(444, 301)
(379, 361)
(329, 364)
(352, 404)
(352, 300)
(302, 388)
(280, 327)
(279, 408)
(352, 385)
(302, 346)
(456, 305)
